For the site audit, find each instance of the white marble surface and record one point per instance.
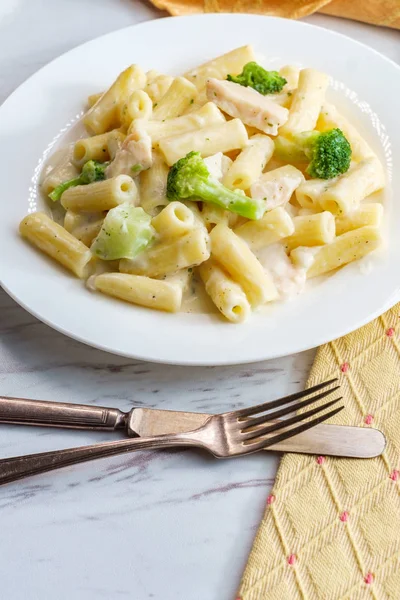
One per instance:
(168, 526)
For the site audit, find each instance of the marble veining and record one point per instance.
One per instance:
(173, 525)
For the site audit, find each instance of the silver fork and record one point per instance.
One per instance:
(225, 435)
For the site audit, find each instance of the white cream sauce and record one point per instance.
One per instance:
(195, 298)
(289, 280)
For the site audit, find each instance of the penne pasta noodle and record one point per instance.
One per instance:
(330, 118)
(55, 241)
(152, 293)
(272, 227)
(157, 86)
(63, 170)
(95, 148)
(179, 96)
(309, 192)
(92, 99)
(213, 214)
(153, 185)
(307, 102)
(350, 189)
(238, 260)
(250, 163)
(231, 63)
(101, 195)
(199, 101)
(369, 214)
(138, 106)
(346, 248)
(312, 230)
(209, 140)
(104, 115)
(206, 116)
(174, 220)
(226, 294)
(169, 256)
(291, 74)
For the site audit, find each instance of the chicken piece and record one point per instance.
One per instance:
(134, 155)
(217, 165)
(276, 187)
(248, 105)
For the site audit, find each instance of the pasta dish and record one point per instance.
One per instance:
(231, 182)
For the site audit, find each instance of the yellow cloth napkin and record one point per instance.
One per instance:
(331, 529)
(377, 12)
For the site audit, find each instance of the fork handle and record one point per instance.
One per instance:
(60, 414)
(19, 467)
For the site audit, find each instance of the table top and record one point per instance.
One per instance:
(160, 525)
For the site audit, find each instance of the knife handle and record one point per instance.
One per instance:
(335, 440)
(60, 414)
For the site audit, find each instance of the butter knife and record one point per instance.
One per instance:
(331, 440)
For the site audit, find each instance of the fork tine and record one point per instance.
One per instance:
(292, 432)
(283, 424)
(285, 411)
(245, 412)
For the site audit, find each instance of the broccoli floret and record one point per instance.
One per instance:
(255, 76)
(126, 231)
(190, 178)
(92, 171)
(328, 153)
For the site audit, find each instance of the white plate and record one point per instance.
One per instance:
(37, 115)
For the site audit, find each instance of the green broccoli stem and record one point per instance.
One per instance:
(92, 170)
(216, 193)
(288, 151)
(306, 141)
(56, 194)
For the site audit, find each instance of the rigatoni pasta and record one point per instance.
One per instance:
(274, 226)
(350, 189)
(222, 137)
(230, 63)
(240, 262)
(174, 220)
(104, 114)
(205, 116)
(63, 170)
(346, 248)
(250, 163)
(226, 294)
(369, 213)
(230, 182)
(307, 102)
(170, 256)
(102, 195)
(95, 148)
(312, 230)
(137, 289)
(153, 185)
(177, 98)
(137, 106)
(329, 117)
(54, 240)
